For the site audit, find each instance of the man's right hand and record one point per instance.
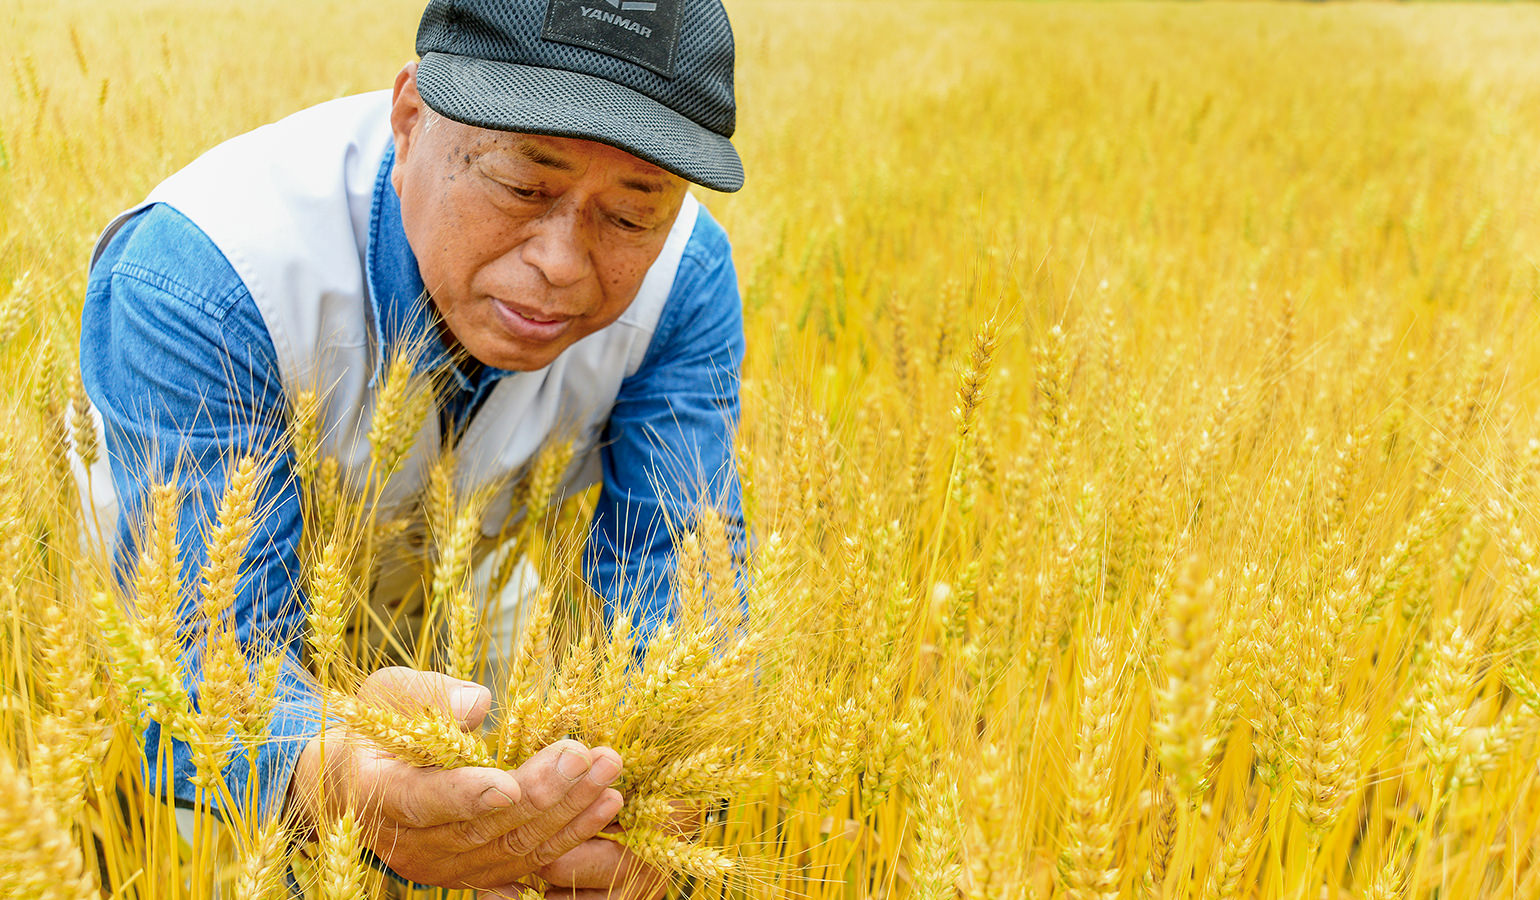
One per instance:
(456, 828)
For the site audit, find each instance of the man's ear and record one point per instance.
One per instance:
(406, 116)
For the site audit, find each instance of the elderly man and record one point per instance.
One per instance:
(519, 202)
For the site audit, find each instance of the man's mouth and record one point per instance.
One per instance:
(531, 324)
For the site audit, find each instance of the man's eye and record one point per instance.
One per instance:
(523, 193)
(625, 224)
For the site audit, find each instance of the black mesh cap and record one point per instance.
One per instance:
(652, 77)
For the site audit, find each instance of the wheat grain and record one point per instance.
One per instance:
(342, 873)
(1088, 869)
(38, 858)
(425, 739)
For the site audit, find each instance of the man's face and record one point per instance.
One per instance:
(526, 243)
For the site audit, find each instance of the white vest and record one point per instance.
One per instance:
(289, 206)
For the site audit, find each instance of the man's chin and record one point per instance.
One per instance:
(521, 359)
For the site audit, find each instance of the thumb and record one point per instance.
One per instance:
(410, 691)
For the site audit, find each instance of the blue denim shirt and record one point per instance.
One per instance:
(176, 356)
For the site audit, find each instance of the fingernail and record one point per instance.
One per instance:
(604, 770)
(495, 798)
(572, 765)
(464, 699)
(610, 804)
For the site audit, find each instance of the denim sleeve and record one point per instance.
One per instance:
(175, 356)
(668, 444)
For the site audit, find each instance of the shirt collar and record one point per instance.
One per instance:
(403, 314)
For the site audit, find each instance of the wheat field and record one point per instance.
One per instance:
(1140, 441)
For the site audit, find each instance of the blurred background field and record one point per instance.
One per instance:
(1359, 157)
(1225, 584)
(1179, 152)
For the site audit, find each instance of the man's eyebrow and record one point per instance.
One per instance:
(638, 184)
(542, 157)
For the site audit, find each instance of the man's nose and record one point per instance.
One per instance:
(559, 245)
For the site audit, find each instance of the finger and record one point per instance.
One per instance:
(591, 864)
(496, 863)
(515, 891)
(688, 818)
(559, 783)
(410, 691)
(640, 881)
(576, 894)
(476, 832)
(616, 872)
(425, 798)
(604, 865)
(537, 798)
(583, 826)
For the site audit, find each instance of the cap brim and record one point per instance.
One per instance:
(534, 100)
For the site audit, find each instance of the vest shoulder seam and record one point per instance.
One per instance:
(215, 307)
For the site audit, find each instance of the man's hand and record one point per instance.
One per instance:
(601, 868)
(597, 869)
(471, 827)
